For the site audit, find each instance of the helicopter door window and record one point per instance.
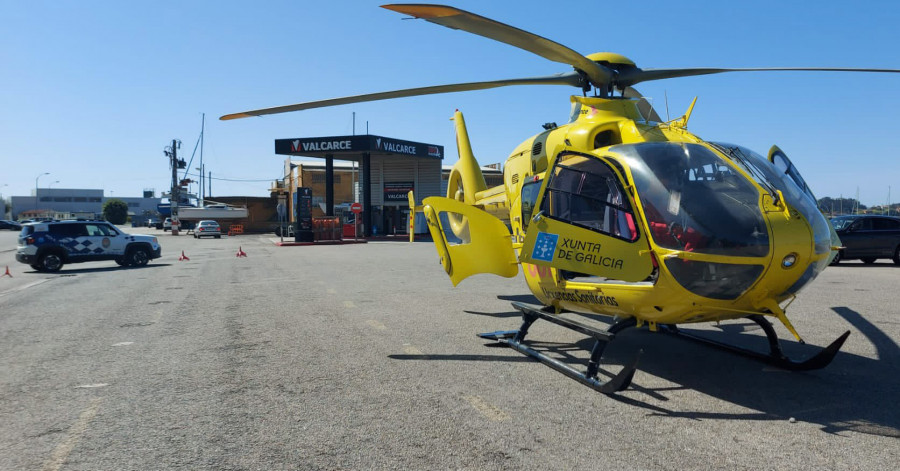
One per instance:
(530, 193)
(585, 192)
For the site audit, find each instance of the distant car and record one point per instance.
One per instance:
(208, 228)
(151, 222)
(10, 225)
(867, 238)
(167, 224)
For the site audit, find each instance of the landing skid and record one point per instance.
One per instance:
(775, 357)
(620, 381)
(515, 339)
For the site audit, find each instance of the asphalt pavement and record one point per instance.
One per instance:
(364, 356)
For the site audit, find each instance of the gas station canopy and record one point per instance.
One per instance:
(353, 147)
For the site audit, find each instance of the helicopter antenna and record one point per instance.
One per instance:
(666, 95)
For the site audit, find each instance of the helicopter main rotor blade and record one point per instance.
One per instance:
(569, 78)
(455, 18)
(627, 78)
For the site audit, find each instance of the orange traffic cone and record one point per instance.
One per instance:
(7, 273)
(240, 252)
(183, 257)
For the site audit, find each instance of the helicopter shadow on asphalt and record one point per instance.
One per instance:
(847, 395)
(850, 394)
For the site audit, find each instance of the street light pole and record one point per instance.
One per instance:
(36, 195)
(3, 202)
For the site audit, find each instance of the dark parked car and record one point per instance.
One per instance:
(868, 238)
(10, 225)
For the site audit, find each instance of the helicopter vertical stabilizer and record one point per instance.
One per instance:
(466, 178)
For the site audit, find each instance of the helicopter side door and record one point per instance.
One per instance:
(584, 222)
(468, 240)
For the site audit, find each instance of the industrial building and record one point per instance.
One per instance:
(71, 203)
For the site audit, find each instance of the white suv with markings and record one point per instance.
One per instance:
(47, 246)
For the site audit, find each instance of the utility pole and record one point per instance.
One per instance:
(202, 168)
(175, 193)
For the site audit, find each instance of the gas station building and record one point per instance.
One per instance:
(380, 173)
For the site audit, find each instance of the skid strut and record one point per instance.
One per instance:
(515, 339)
(775, 356)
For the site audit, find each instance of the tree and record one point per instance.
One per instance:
(115, 211)
(831, 205)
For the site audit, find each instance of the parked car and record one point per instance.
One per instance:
(10, 225)
(208, 228)
(867, 238)
(167, 224)
(47, 246)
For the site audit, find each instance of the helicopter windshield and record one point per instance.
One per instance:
(786, 178)
(694, 201)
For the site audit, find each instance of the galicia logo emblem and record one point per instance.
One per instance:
(544, 246)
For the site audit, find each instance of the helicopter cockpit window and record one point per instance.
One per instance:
(585, 192)
(694, 201)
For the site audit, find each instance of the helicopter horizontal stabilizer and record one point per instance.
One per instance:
(413, 209)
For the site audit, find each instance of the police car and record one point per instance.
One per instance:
(47, 246)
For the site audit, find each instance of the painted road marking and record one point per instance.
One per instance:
(94, 385)
(20, 288)
(488, 410)
(61, 452)
(411, 350)
(122, 344)
(375, 324)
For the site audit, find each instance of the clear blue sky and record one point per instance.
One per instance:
(93, 91)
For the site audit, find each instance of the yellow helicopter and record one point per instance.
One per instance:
(623, 214)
